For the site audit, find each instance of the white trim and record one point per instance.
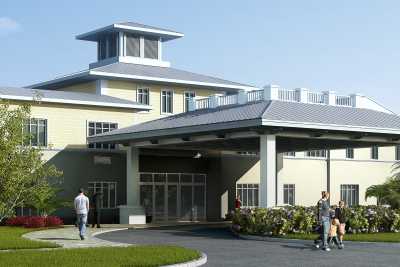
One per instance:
(144, 61)
(76, 102)
(141, 87)
(60, 79)
(160, 49)
(141, 29)
(309, 125)
(177, 81)
(141, 46)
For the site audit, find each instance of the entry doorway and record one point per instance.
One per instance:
(173, 196)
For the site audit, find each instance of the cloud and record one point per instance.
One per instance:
(8, 25)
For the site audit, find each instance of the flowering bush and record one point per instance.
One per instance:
(284, 220)
(34, 221)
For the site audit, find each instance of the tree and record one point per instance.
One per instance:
(23, 173)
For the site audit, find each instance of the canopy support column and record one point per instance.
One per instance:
(267, 190)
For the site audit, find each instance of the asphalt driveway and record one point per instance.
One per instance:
(224, 249)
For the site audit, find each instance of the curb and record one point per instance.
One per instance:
(194, 263)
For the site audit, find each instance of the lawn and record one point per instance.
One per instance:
(127, 256)
(10, 238)
(367, 237)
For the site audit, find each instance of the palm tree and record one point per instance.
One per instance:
(378, 191)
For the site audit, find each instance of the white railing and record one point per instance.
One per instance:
(316, 98)
(255, 95)
(227, 100)
(202, 103)
(343, 100)
(287, 95)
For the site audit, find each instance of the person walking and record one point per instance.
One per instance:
(96, 205)
(81, 204)
(318, 240)
(340, 215)
(324, 219)
(333, 234)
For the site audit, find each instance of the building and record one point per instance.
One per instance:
(177, 145)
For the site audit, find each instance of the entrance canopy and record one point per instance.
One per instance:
(237, 127)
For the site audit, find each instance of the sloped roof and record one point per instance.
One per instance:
(263, 113)
(137, 72)
(52, 96)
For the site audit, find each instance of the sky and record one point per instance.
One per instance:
(344, 46)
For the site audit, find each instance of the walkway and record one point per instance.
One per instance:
(223, 249)
(68, 237)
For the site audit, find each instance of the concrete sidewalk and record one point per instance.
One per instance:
(68, 237)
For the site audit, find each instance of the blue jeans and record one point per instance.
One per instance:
(326, 224)
(82, 219)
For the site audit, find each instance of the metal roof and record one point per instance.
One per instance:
(52, 96)
(144, 73)
(132, 27)
(262, 113)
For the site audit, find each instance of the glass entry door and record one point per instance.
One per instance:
(173, 196)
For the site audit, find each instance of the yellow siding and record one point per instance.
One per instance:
(67, 124)
(127, 90)
(89, 87)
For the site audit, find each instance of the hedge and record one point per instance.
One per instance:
(34, 221)
(283, 220)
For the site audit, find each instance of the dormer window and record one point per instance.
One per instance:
(132, 45)
(150, 47)
(107, 46)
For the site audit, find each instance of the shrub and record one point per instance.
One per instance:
(52, 221)
(34, 221)
(284, 220)
(17, 221)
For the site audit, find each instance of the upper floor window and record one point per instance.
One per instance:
(36, 129)
(397, 156)
(107, 46)
(349, 153)
(374, 152)
(150, 47)
(132, 45)
(95, 128)
(316, 153)
(188, 96)
(167, 101)
(289, 194)
(143, 96)
(290, 154)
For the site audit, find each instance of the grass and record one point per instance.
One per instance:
(127, 256)
(365, 237)
(10, 238)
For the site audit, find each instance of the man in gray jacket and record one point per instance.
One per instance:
(324, 218)
(81, 204)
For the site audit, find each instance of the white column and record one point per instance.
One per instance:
(132, 177)
(267, 189)
(121, 44)
(242, 97)
(302, 94)
(141, 46)
(271, 92)
(132, 212)
(330, 97)
(101, 87)
(160, 49)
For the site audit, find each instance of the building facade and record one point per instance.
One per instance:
(131, 84)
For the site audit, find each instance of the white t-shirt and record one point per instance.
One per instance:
(81, 204)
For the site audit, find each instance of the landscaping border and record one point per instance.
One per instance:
(194, 263)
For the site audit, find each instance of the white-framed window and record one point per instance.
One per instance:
(95, 128)
(132, 45)
(374, 152)
(321, 153)
(108, 193)
(143, 96)
(397, 152)
(187, 97)
(151, 47)
(248, 194)
(349, 153)
(167, 101)
(290, 154)
(36, 129)
(289, 192)
(349, 193)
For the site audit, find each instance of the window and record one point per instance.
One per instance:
(397, 156)
(289, 194)
(247, 153)
(95, 128)
(290, 154)
(143, 96)
(374, 152)
(316, 153)
(248, 194)
(188, 96)
(349, 194)
(108, 190)
(36, 129)
(150, 48)
(107, 46)
(132, 45)
(349, 153)
(166, 101)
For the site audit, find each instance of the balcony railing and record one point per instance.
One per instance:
(316, 98)
(255, 95)
(343, 100)
(227, 100)
(288, 95)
